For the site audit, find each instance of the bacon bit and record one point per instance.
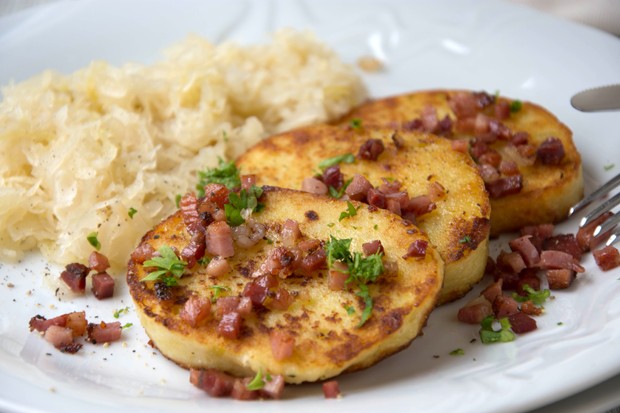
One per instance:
(230, 325)
(279, 261)
(522, 323)
(240, 390)
(542, 231)
(218, 193)
(560, 279)
(258, 288)
(143, 253)
(41, 324)
(225, 305)
(607, 258)
(102, 285)
(550, 151)
(314, 186)
(376, 198)
(358, 188)
(98, 262)
(218, 267)
(244, 308)
(530, 308)
(520, 138)
(249, 233)
(331, 389)
(282, 344)
(273, 388)
(104, 332)
(219, 239)
(505, 186)
(195, 250)
(492, 291)
(508, 167)
(529, 279)
(420, 205)
(585, 235)
(460, 145)
(74, 276)
(280, 300)
(76, 321)
(371, 149)
(189, 211)
(475, 311)
(436, 191)
(502, 109)
(214, 382)
(492, 158)
(564, 242)
(488, 173)
(314, 261)
(196, 310)
(559, 260)
(59, 336)
(417, 249)
(337, 276)
(372, 247)
(398, 140)
(290, 233)
(247, 181)
(528, 251)
(511, 261)
(504, 305)
(333, 177)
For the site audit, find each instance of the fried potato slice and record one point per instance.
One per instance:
(458, 227)
(548, 191)
(323, 323)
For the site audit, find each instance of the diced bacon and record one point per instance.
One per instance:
(511, 261)
(429, 119)
(475, 311)
(390, 186)
(282, 344)
(41, 324)
(564, 242)
(520, 138)
(502, 109)
(420, 205)
(195, 250)
(219, 239)
(59, 336)
(492, 291)
(509, 279)
(104, 332)
(489, 173)
(143, 253)
(331, 389)
(280, 300)
(393, 206)
(530, 280)
(210, 212)
(74, 276)
(244, 308)
(585, 235)
(436, 191)
(481, 126)
(258, 288)
(417, 249)
(371, 149)
(273, 388)
(240, 390)
(521, 323)
(542, 231)
(225, 305)
(444, 127)
(508, 167)
(460, 145)
(560, 279)
(314, 261)
(376, 198)
(463, 104)
(189, 211)
(309, 245)
(279, 261)
(337, 276)
(218, 193)
(333, 177)
(492, 158)
(76, 321)
(550, 151)
(230, 325)
(607, 258)
(196, 310)
(247, 181)
(290, 233)
(372, 247)
(218, 267)
(527, 153)
(358, 188)
(478, 148)
(398, 140)
(102, 285)
(214, 382)
(523, 245)
(465, 125)
(98, 262)
(530, 308)
(504, 305)
(499, 131)
(559, 260)
(314, 186)
(505, 186)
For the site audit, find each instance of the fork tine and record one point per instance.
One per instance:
(604, 207)
(613, 238)
(599, 193)
(607, 225)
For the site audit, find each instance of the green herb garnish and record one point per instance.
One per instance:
(237, 202)
(337, 194)
(225, 174)
(168, 266)
(356, 124)
(537, 297)
(489, 335)
(217, 291)
(350, 212)
(457, 352)
(465, 240)
(177, 200)
(350, 309)
(121, 311)
(345, 158)
(515, 106)
(132, 211)
(609, 167)
(258, 382)
(93, 240)
(126, 325)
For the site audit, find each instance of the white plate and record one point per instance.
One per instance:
(486, 45)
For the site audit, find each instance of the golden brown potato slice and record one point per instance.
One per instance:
(458, 227)
(548, 189)
(323, 323)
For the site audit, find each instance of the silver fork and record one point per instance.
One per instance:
(605, 206)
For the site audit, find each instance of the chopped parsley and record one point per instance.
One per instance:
(217, 291)
(350, 212)
(126, 325)
(465, 240)
(356, 124)
(515, 106)
(335, 193)
(132, 211)
(344, 158)
(258, 382)
(177, 199)
(169, 268)
(225, 174)
(489, 335)
(457, 352)
(362, 270)
(237, 202)
(350, 309)
(93, 240)
(121, 311)
(537, 297)
(609, 167)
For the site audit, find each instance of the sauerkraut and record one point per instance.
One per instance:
(80, 151)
